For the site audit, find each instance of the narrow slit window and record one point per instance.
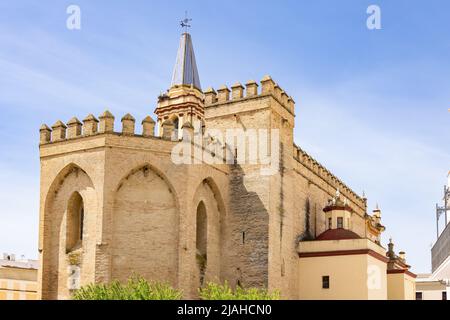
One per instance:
(325, 282)
(340, 223)
(81, 223)
(74, 222)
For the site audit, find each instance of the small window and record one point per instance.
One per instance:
(74, 222)
(330, 223)
(418, 295)
(444, 295)
(340, 222)
(325, 282)
(203, 126)
(81, 223)
(176, 125)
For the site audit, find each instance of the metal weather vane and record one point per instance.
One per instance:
(185, 23)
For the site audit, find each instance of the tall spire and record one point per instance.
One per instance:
(184, 101)
(185, 71)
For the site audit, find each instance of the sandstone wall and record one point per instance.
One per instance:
(140, 212)
(141, 207)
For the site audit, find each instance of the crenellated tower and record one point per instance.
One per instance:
(184, 100)
(119, 201)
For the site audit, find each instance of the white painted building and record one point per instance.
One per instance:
(436, 286)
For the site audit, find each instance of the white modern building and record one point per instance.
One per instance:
(436, 286)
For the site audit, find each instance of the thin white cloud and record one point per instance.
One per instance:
(19, 211)
(395, 165)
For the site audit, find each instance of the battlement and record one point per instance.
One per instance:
(313, 165)
(251, 91)
(91, 126)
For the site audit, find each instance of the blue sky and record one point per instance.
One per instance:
(371, 105)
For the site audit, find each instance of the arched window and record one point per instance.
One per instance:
(74, 222)
(201, 240)
(176, 125)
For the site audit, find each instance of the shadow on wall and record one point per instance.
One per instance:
(249, 227)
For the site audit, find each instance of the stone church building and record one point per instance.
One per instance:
(115, 202)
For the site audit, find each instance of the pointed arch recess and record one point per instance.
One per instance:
(145, 226)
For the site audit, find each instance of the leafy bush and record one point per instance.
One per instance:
(213, 291)
(137, 288)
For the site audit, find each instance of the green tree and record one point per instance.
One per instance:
(136, 288)
(214, 291)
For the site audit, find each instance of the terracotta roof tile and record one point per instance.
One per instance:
(337, 234)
